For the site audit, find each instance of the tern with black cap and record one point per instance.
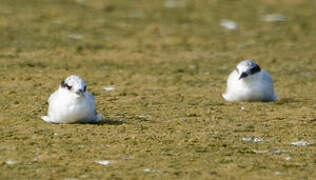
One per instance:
(72, 103)
(248, 82)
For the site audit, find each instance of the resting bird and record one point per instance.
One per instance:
(249, 83)
(71, 103)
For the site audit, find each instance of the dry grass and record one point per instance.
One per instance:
(166, 118)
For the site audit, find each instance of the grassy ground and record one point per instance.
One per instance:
(166, 118)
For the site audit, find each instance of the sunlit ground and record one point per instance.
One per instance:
(168, 61)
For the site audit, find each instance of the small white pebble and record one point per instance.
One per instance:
(228, 24)
(11, 162)
(109, 88)
(274, 18)
(126, 158)
(75, 36)
(251, 139)
(260, 151)
(257, 140)
(278, 173)
(104, 162)
(58, 22)
(142, 116)
(280, 151)
(288, 158)
(242, 108)
(174, 3)
(147, 170)
(80, 1)
(246, 139)
(300, 143)
(84, 176)
(36, 158)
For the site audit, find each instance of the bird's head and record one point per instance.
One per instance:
(246, 68)
(74, 84)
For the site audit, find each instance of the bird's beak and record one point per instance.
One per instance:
(80, 92)
(243, 75)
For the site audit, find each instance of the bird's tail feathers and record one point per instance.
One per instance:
(276, 96)
(45, 118)
(99, 118)
(226, 97)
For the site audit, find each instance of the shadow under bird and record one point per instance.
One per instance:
(248, 82)
(72, 103)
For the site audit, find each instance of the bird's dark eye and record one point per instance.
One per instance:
(69, 87)
(65, 85)
(255, 69)
(84, 88)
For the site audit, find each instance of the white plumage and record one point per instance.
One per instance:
(71, 103)
(249, 83)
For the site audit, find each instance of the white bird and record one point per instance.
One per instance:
(249, 83)
(71, 103)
